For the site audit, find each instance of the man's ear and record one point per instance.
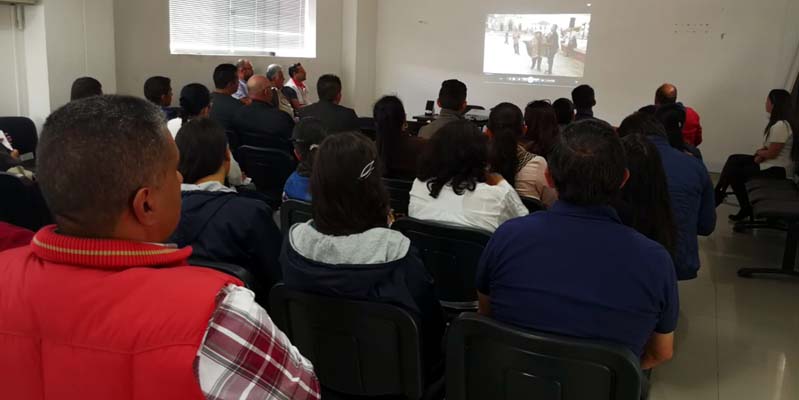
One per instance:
(548, 176)
(438, 102)
(489, 133)
(626, 178)
(143, 207)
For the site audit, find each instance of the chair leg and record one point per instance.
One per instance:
(788, 258)
(743, 226)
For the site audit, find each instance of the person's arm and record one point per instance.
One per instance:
(243, 354)
(658, 350)
(769, 153)
(484, 305)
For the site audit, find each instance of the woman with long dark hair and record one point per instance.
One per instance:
(645, 204)
(454, 184)
(398, 150)
(776, 159)
(508, 156)
(542, 127)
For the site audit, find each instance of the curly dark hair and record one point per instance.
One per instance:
(457, 155)
(506, 123)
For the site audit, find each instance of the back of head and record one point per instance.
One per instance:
(452, 95)
(783, 108)
(542, 127)
(672, 116)
(308, 134)
(641, 123)
(94, 154)
(156, 87)
(564, 109)
(584, 97)
(225, 75)
(85, 87)
(588, 164)
(193, 99)
(203, 147)
(328, 87)
(272, 71)
(347, 186)
(389, 116)
(458, 155)
(666, 94)
(506, 124)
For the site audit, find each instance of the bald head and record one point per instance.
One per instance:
(260, 88)
(666, 94)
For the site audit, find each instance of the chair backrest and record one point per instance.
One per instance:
(414, 127)
(400, 192)
(294, 212)
(357, 348)
(22, 132)
(22, 204)
(233, 270)
(451, 254)
(533, 204)
(490, 360)
(367, 127)
(268, 168)
(233, 140)
(471, 107)
(267, 141)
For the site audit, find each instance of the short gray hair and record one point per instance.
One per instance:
(272, 71)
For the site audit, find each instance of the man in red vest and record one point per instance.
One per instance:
(692, 129)
(96, 308)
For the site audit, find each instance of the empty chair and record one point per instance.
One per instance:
(532, 204)
(22, 132)
(490, 360)
(268, 168)
(451, 254)
(400, 192)
(294, 212)
(22, 204)
(357, 348)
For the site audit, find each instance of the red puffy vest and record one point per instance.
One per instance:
(99, 319)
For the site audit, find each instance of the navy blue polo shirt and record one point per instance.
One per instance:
(578, 271)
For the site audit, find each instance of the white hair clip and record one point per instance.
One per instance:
(367, 170)
(314, 147)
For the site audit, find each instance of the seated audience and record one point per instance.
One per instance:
(455, 187)
(158, 89)
(223, 105)
(644, 203)
(692, 128)
(260, 123)
(12, 236)
(577, 270)
(214, 220)
(9, 156)
(101, 279)
(195, 102)
(398, 149)
(335, 117)
(690, 189)
(452, 101)
(296, 83)
(85, 87)
(508, 157)
(347, 250)
(275, 75)
(244, 71)
(308, 134)
(564, 109)
(542, 128)
(672, 116)
(584, 99)
(776, 159)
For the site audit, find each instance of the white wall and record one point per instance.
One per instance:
(359, 41)
(10, 102)
(725, 74)
(142, 48)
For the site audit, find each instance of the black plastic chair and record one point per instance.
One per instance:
(451, 254)
(22, 132)
(294, 212)
(490, 360)
(400, 192)
(269, 169)
(533, 204)
(367, 127)
(233, 140)
(22, 204)
(357, 348)
(233, 270)
(266, 141)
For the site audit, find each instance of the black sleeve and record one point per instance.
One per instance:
(290, 93)
(354, 123)
(265, 241)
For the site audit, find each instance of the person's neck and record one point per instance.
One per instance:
(223, 92)
(585, 111)
(218, 177)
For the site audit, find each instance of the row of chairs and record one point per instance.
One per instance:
(22, 204)
(775, 204)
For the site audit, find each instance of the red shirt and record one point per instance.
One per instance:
(13, 236)
(692, 131)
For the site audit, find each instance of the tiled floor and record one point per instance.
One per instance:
(737, 338)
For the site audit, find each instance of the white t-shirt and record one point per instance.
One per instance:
(487, 207)
(780, 133)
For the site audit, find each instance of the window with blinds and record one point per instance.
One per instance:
(284, 28)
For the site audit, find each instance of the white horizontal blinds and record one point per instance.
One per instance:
(231, 27)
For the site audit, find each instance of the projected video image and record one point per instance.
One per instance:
(544, 45)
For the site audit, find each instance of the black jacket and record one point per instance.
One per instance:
(227, 227)
(262, 125)
(334, 117)
(223, 109)
(404, 283)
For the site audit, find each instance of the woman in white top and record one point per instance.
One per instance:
(195, 102)
(454, 186)
(508, 157)
(775, 159)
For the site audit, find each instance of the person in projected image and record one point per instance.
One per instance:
(535, 48)
(552, 46)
